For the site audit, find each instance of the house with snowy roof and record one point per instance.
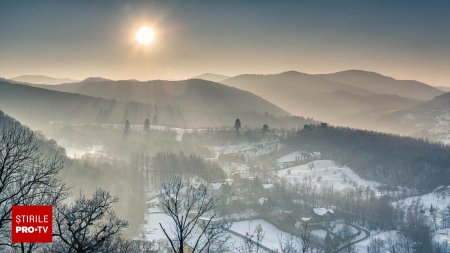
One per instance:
(322, 214)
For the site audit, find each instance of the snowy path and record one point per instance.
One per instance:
(365, 234)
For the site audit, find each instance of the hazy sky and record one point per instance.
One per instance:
(405, 39)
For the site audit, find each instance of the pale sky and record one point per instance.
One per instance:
(406, 39)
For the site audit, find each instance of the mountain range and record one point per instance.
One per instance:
(430, 119)
(40, 79)
(351, 98)
(212, 77)
(190, 103)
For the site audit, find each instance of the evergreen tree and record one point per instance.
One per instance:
(146, 125)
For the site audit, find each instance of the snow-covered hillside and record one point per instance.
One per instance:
(439, 199)
(272, 235)
(325, 172)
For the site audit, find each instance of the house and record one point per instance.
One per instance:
(153, 203)
(268, 187)
(324, 215)
(203, 220)
(215, 186)
(296, 158)
(262, 201)
(320, 211)
(229, 181)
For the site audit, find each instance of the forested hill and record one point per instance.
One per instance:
(46, 146)
(38, 106)
(391, 159)
(191, 95)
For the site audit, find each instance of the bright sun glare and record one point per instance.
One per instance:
(145, 35)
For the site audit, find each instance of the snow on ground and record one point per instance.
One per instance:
(296, 156)
(325, 171)
(249, 151)
(339, 227)
(152, 228)
(439, 199)
(271, 233)
(319, 233)
(442, 237)
(361, 247)
(80, 152)
(153, 231)
(321, 211)
(235, 243)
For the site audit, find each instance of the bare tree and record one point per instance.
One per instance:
(305, 237)
(287, 244)
(28, 175)
(398, 243)
(302, 243)
(434, 212)
(195, 222)
(133, 246)
(376, 245)
(146, 125)
(88, 225)
(253, 240)
(237, 125)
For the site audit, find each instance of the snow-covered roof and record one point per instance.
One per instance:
(261, 201)
(153, 201)
(268, 186)
(322, 211)
(306, 219)
(207, 218)
(216, 186)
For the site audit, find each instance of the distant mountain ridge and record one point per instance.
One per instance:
(190, 95)
(381, 84)
(41, 79)
(430, 119)
(444, 88)
(327, 97)
(353, 98)
(190, 103)
(212, 77)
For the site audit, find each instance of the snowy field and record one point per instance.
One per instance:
(339, 227)
(319, 233)
(361, 247)
(153, 232)
(272, 234)
(152, 229)
(295, 156)
(79, 152)
(441, 236)
(439, 199)
(325, 171)
(249, 151)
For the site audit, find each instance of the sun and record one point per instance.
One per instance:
(145, 35)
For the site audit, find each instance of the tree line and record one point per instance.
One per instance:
(391, 159)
